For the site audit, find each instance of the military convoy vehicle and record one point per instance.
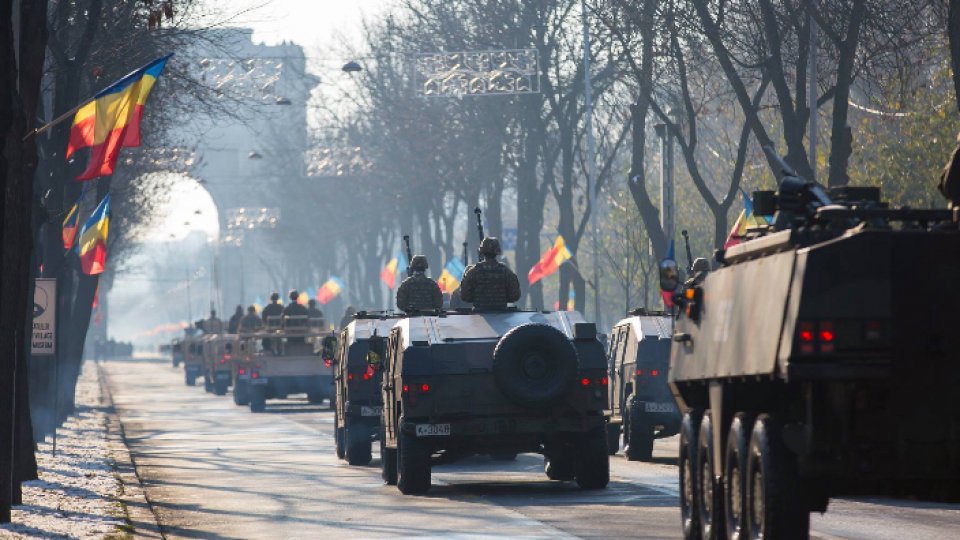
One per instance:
(218, 352)
(176, 352)
(192, 358)
(819, 359)
(499, 383)
(282, 362)
(241, 367)
(641, 404)
(357, 381)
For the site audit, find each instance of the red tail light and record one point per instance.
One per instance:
(254, 375)
(604, 381)
(366, 376)
(406, 388)
(349, 376)
(242, 371)
(424, 388)
(327, 362)
(826, 336)
(584, 382)
(806, 336)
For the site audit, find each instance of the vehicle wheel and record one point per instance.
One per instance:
(338, 438)
(241, 393)
(258, 400)
(772, 485)
(593, 465)
(388, 462)
(687, 466)
(535, 365)
(315, 398)
(503, 456)
(413, 465)
(358, 446)
(613, 439)
(710, 502)
(220, 388)
(639, 437)
(734, 473)
(560, 468)
(189, 379)
(332, 403)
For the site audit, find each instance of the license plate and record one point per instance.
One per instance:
(258, 381)
(433, 430)
(373, 411)
(223, 376)
(658, 407)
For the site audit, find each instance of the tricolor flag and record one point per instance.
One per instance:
(111, 120)
(393, 269)
(70, 224)
(745, 221)
(550, 261)
(93, 239)
(303, 299)
(571, 302)
(450, 277)
(667, 296)
(330, 290)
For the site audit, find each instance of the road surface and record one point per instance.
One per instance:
(212, 469)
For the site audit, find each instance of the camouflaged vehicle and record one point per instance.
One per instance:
(498, 383)
(820, 359)
(192, 358)
(641, 404)
(218, 353)
(357, 380)
(282, 362)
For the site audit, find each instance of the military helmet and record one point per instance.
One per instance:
(490, 246)
(294, 295)
(274, 297)
(419, 263)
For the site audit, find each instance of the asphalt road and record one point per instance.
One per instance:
(215, 470)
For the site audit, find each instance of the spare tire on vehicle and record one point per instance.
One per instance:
(535, 365)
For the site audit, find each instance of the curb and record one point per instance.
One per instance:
(141, 517)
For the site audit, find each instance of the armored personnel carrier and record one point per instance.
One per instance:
(641, 404)
(282, 362)
(218, 353)
(819, 359)
(192, 358)
(498, 383)
(357, 380)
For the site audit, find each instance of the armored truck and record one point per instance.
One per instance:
(357, 380)
(283, 362)
(192, 358)
(498, 383)
(641, 404)
(218, 352)
(819, 359)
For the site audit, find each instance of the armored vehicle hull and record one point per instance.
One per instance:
(641, 404)
(282, 363)
(218, 352)
(497, 383)
(192, 359)
(359, 400)
(817, 364)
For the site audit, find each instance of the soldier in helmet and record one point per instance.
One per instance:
(489, 284)
(418, 292)
(273, 309)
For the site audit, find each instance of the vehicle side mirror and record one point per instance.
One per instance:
(376, 350)
(329, 348)
(669, 275)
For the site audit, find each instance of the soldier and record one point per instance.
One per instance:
(294, 308)
(212, 325)
(313, 311)
(273, 309)
(251, 322)
(489, 284)
(234, 322)
(418, 292)
(347, 316)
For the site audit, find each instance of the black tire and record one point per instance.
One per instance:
(593, 465)
(687, 467)
(315, 398)
(638, 437)
(561, 468)
(207, 384)
(734, 476)
(241, 393)
(189, 379)
(710, 501)
(535, 365)
(359, 446)
(220, 388)
(388, 462)
(503, 456)
(773, 485)
(258, 400)
(338, 439)
(613, 439)
(413, 465)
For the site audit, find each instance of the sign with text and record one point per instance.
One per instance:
(44, 317)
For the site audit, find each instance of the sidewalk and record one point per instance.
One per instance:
(89, 490)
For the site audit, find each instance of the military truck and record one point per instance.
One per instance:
(241, 366)
(284, 363)
(819, 359)
(498, 383)
(357, 381)
(218, 352)
(192, 358)
(641, 404)
(176, 352)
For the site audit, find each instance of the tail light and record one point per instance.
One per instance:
(417, 388)
(587, 382)
(826, 335)
(254, 375)
(242, 371)
(327, 362)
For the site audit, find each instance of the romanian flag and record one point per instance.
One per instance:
(393, 269)
(111, 120)
(70, 224)
(93, 239)
(745, 221)
(450, 277)
(550, 261)
(329, 290)
(303, 299)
